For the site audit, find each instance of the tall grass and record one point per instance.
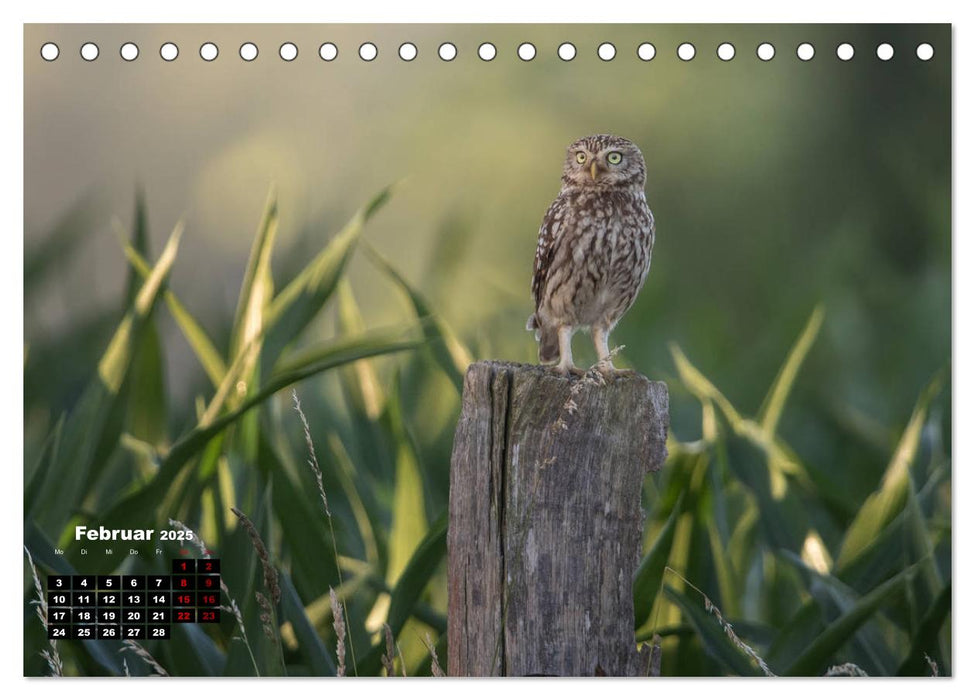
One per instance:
(753, 563)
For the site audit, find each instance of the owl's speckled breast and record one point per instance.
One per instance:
(602, 256)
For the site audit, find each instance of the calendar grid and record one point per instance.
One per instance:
(136, 606)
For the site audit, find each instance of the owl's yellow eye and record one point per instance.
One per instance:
(580, 157)
(614, 158)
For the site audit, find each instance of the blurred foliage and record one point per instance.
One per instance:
(798, 307)
(808, 582)
(808, 577)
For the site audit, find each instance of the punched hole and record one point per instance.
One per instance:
(288, 51)
(447, 51)
(328, 51)
(128, 51)
(408, 51)
(209, 51)
(50, 51)
(168, 51)
(765, 51)
(368, 51)
(248, 51)
(89, 51)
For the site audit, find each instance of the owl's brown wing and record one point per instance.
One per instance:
(548, 236)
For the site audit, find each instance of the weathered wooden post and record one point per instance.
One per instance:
(545, 521)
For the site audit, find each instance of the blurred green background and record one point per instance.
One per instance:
(778, 187)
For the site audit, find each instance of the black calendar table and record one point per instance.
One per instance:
(112, 606)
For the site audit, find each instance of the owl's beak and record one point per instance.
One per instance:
(592, 170)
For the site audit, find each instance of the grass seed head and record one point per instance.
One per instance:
(390, 654)
(435, 668)
(847, 669)
(312, 457)
(50, 655)
(338, 622)
(270, 573)
(142, 653)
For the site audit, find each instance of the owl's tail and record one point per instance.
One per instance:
(548, 340)
(548, 345)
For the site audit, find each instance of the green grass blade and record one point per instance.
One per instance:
(409, 512)
(204, 349)
(424, 668)
(90, 424)
(713, 638)
(38, 474)
(345, 472)
(417, 573)
(247, 335)
(257, 288)
(115, 362)
(362, 387)
(774, 403)
(882, 506)
(646, 581)
(921, 543)
(722, 568)
(304, 529)
(880, 558)
(139, 242)
(301, 300)
(796, 635)
(817, 657)
(236, 373)
(410, 586)
(926, 641)
(783, 519)
(701, 387)
(452, 356)
(310, 645)
(347, 350)
(193, 653)
(872, 643)
(307, 364)
(43, 550)
(930, 583)
(136, 507)
(147, 411)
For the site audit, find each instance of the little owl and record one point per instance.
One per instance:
(593, 250)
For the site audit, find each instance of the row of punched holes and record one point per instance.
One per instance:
(486, 51)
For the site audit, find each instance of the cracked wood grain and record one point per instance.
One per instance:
(545, 521)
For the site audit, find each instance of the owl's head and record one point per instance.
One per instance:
(604, 161)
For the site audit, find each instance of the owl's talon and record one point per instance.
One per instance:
(608, 371)
(569, 370)
(605, 368)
